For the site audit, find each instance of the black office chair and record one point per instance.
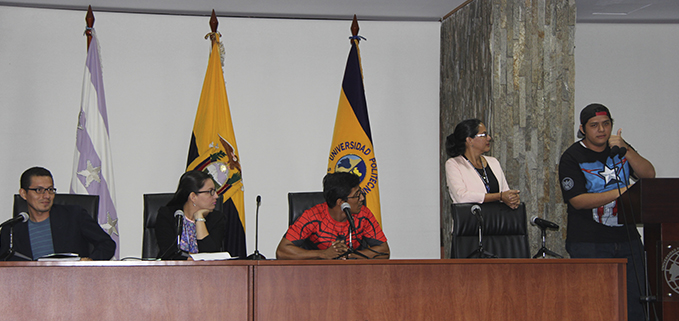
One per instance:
(505, 232)
(152, 203)
(298, 202)
(89, 202)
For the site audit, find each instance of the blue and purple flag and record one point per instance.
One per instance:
(92, 167)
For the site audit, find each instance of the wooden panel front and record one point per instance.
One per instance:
(495, 289)
(492, 289)
(125, 291)
(653, 203)
(652, 200)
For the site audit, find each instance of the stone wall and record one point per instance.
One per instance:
(510, 64)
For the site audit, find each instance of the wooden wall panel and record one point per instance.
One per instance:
(494, 289)
(124, 291)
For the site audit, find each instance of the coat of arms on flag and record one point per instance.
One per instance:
(223, 165)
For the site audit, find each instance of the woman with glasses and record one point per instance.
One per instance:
(472, 177)
(202, 228)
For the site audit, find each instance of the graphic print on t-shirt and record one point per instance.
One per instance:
(605, 177)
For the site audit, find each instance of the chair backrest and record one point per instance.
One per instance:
(152, 203)
(89, 202)
(505, 231)
(298, 202)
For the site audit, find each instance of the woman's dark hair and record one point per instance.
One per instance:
(338, 186)
(190, 182)
(456, 142)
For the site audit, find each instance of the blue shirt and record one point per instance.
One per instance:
(41, 238)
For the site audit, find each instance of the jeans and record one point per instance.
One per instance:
(636, 285)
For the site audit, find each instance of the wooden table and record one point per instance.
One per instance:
(473, 289)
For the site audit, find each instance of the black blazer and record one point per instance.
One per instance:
(166, 232)
(73, 230)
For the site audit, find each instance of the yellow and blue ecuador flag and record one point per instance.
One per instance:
(213, 149)
(352, 147)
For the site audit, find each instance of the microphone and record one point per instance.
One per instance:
(257, 255)
(346, 208)
(22, 217)
(543, 223)
(179, 219)
(476, 210)
(620, 151)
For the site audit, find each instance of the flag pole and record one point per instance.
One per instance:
(92, 164)
(354, 27)
(213, 144)
(213, 24)
(89, 19)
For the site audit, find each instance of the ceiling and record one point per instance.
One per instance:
(593, 11)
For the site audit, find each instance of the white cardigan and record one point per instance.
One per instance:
(464, 183)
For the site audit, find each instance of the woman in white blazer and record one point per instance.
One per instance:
(472, 177)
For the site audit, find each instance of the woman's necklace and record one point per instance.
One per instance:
(484, 176)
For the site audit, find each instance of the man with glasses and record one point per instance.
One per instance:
(54, 228)
(593, 173)
(323, 231)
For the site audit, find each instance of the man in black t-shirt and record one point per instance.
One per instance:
(591, 181)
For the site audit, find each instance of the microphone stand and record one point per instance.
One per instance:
(256, 255)
(544, 251)
(352, 230)
(11, 252)
(179, 254)
(481, 252)
(645, 296)
(350, 245)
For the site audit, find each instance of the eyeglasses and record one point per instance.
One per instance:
(41, 190)
(212, 191)
(484, 135)
(358, 194)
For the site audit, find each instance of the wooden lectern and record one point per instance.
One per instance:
(654, 202)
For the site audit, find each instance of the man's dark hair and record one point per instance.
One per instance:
(190, 182)
(338, 186)
(26, 177)
(456, 142)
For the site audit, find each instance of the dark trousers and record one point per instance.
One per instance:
(636, 285)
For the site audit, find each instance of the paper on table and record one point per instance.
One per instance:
(60, 257)
(211, 256)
